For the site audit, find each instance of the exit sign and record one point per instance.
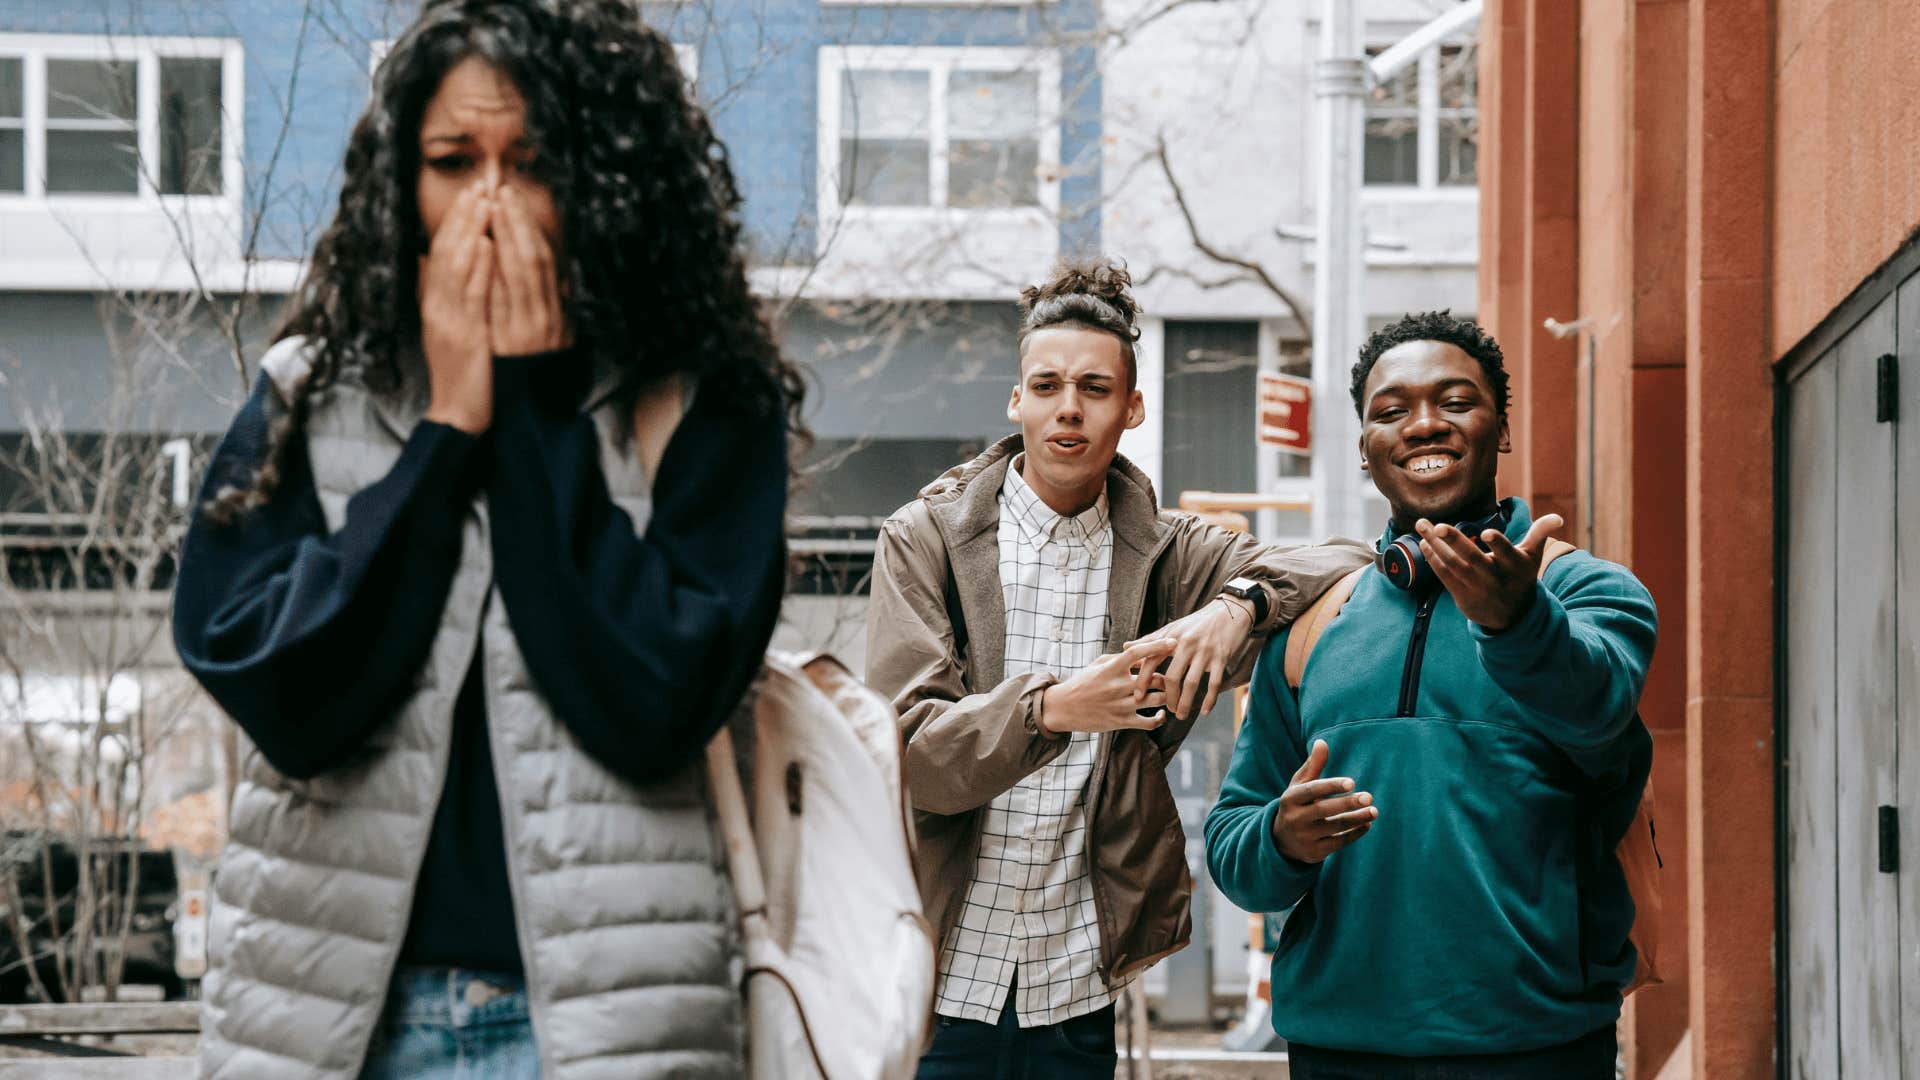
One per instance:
(1286, 413)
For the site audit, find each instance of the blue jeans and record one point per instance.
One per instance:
(1078, 1049)
(453, 1024)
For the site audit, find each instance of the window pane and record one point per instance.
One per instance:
(190, 127)
(884, 172)
(102, 162)
(885, 104)
(1393, 150)
(1401, 91)
(989, 172)
(993, 104)
(90, 90)
(13, 92)
(13, 160)
(1459, 77)
(1459, 149)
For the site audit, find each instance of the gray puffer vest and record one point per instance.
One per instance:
(620, 894)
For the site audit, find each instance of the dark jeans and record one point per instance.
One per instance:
(1589, 1057)
(1077, 1049)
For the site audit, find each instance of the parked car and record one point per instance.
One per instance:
(149, 944)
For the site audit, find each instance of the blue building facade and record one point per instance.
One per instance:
(896, 289)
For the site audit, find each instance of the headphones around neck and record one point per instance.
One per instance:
(1406, 565)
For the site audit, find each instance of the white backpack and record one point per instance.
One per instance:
(839, 957)
(806, 784)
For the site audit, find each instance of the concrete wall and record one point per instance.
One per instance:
(78, 358)
(1846, 134)
(1631, 241)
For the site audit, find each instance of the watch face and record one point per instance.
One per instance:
(1251, 593)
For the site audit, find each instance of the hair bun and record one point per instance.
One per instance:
(1102, 279)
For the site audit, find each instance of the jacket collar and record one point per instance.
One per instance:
(965, 507)
(964, 500)
(1041, 524)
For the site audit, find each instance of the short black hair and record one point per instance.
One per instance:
(1440, 326)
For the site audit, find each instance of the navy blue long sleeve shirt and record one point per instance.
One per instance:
(311, 638)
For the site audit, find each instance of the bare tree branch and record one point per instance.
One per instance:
(1253, 269)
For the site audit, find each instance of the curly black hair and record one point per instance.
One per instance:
(650, 262)
(1093, 293)
(1440, 326)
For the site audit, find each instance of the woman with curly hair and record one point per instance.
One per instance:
(489, 555)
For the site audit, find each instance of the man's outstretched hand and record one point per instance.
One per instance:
(1320, 815)
(1493, 588)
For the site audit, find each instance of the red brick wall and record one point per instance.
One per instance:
(1656, 121)
(1846, 118)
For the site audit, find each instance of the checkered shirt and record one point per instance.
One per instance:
(1029, 905)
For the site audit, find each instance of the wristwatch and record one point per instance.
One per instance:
(1253, 593)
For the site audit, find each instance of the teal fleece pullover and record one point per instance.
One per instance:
(1484, 913)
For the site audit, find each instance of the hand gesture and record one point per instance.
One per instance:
(454, 279)
(523, 304)
(1107, 695)
(1203, 642)
(1319, 816)
(1494, 587)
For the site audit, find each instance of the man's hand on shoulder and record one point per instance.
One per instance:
(1109, 694)
(1202, 644)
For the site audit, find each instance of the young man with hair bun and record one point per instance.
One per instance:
(1049, 635)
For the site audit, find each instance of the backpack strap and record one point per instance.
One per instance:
(1312, 622)
(950, 596)
(1555, 548)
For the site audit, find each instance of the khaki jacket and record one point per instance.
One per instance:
(935, 640)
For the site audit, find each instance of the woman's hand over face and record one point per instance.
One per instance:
(524, 310)
(454, 280)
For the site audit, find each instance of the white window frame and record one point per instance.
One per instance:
(939, 62)
(34, 50)
(1427, 183)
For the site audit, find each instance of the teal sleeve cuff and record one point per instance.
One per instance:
(1291, 875)
(1522, 643)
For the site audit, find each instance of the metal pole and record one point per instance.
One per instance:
(1339, 87)
(1409, 49)
(1344, 503)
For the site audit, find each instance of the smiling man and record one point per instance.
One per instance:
(1463, 915)
(1021, 606)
